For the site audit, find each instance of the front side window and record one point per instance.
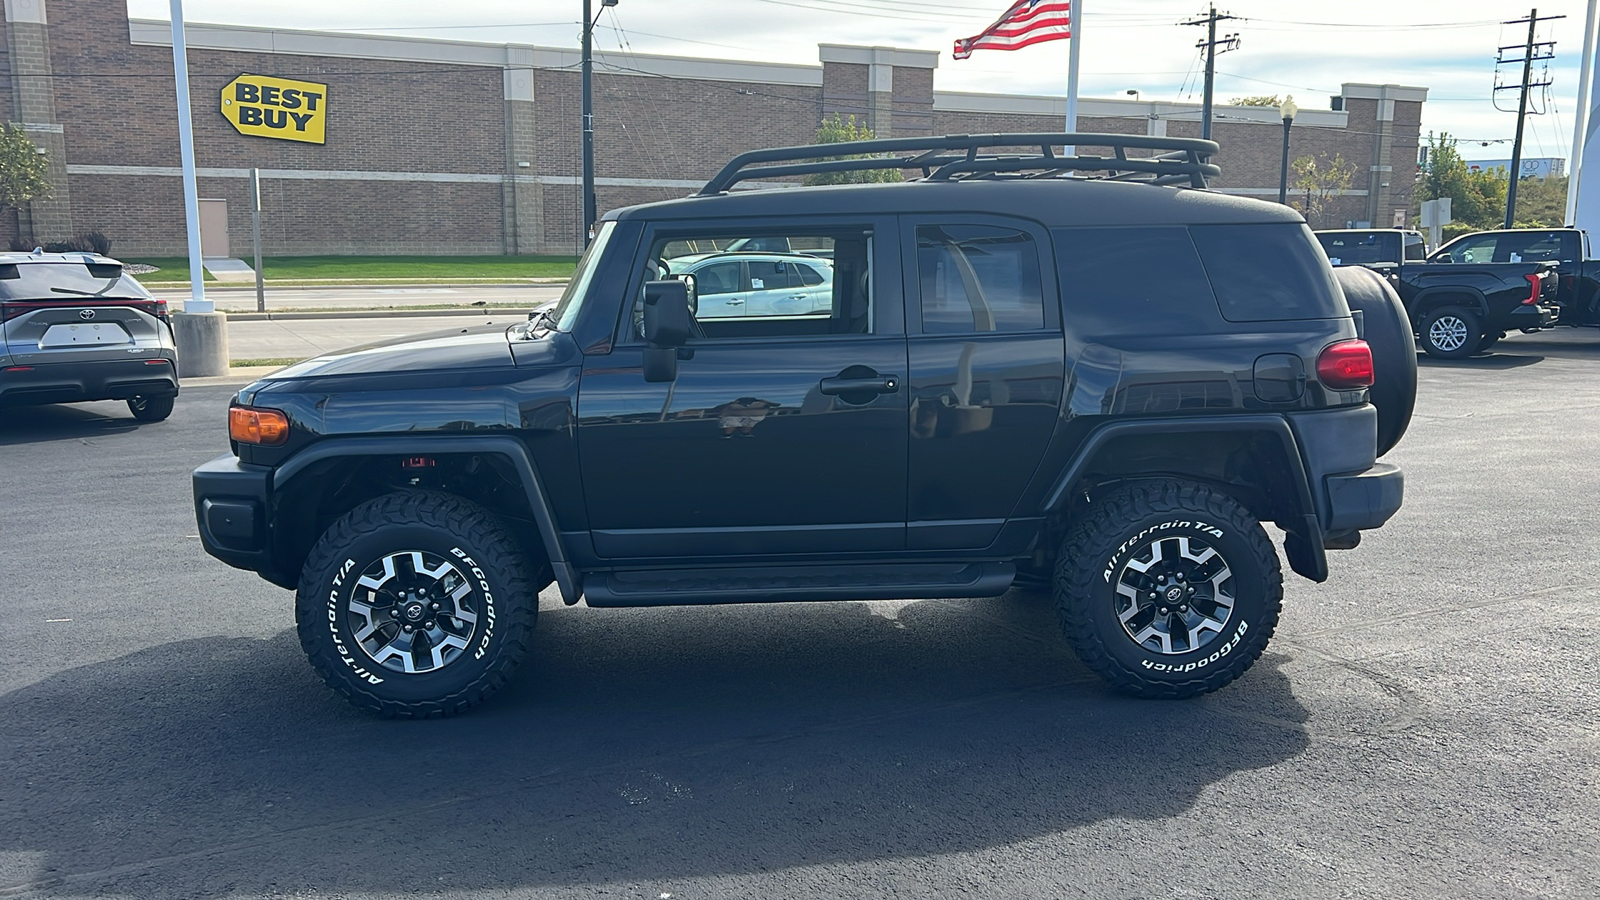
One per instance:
(770, 285)
(978, 278)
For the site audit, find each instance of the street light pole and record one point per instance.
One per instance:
(1287, 110)
(589, 212)
(588, 123)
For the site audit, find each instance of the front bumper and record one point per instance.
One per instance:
(68, 382)
(230, 506)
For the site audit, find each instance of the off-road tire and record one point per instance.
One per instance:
(151, 409)
(447, 528)
(1120, 527)
(1467, 319)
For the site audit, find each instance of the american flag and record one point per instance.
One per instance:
(1026, 22)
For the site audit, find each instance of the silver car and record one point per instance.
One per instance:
(747, 285)
(76, 327)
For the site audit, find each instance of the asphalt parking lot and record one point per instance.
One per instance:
(1424, 724)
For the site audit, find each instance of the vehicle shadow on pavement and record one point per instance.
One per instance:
(62, 422)
(636, 747)
(1488, 361)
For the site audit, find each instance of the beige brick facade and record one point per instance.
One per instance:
(443, 147)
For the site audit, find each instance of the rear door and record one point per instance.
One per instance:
(987, 361)
(54, 312)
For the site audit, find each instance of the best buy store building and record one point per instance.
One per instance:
(370, 144)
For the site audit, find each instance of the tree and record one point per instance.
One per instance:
(24, 168)
(1272, 100)
(835, 130)
(1477, 199)
(1541, 202)
(1320, 179)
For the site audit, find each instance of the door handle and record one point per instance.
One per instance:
(871, 384)
(735, 301)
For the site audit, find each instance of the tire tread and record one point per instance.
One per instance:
(474, 525)
(1107, 524)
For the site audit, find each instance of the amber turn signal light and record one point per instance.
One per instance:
(257, 426)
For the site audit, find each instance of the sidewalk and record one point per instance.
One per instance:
(235, 299)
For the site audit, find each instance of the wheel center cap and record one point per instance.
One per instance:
(414, 611)
(1174, 594)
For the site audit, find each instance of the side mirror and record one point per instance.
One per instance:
(668, 325)
(667, 320)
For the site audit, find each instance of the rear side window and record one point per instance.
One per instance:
(1117, 280)
(978, 278)
(1264, 273)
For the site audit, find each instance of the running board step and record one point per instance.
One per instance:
(776, 584)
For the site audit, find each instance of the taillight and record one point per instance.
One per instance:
(160, 310)
(1535, 288)
(257, 426)
(1346, 366)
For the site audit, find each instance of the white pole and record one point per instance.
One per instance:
(1073, 41)
(1581, 128)
(191, 192)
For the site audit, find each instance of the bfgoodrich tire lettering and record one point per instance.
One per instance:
(416, 604)
(1203, 623)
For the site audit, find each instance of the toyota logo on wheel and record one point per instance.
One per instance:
(85, 313)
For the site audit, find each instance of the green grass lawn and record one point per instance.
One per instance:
(421, 268)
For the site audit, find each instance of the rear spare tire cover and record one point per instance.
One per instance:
(1387, 330)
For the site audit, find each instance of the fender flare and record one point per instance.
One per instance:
(510, 448)
(1305, 550)
(1421, 299)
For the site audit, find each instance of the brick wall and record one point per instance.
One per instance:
(114, 103)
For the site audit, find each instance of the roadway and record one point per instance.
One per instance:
(1424, 724)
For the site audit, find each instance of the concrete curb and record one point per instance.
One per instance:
(518, 313)
(236, 375)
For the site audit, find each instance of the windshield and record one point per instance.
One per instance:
(566, 311)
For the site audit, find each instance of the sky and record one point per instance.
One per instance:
(1304, 49)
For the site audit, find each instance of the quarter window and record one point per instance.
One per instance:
(978, 278)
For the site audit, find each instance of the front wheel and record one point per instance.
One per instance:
(1168, 589)
(1451, 333)
(416, 604)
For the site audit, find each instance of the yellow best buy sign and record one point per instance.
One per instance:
(277, 108)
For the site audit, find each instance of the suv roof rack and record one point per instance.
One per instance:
(955, 157)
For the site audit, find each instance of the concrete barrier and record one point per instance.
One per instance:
(202, 343)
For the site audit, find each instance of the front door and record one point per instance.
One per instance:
(781, 435)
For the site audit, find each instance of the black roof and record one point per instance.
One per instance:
(1052, 202)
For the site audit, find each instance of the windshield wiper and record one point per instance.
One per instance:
(99, 293)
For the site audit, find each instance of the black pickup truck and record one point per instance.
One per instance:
(1566, 249)
(1464, 297)
(1000, 390)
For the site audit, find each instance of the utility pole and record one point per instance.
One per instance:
(589, 212)
(1210, 45)
(1544, 50)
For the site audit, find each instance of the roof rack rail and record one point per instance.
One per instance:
(955, 157)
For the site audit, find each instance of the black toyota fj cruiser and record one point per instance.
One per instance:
(1075, 371)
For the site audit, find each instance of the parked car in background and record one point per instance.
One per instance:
(1368, 246)
(740, 284)
(77, 327)
(1457, 307)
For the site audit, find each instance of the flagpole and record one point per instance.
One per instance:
(1581, 128)
(1072, 71)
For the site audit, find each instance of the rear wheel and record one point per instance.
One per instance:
(1168, 589)
(416, 604)
(1451, 333)
(151, 409)
(1489, 340)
